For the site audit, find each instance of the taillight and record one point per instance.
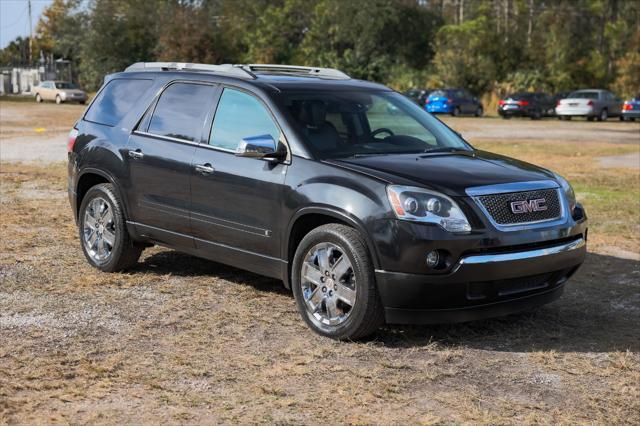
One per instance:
(502, 102)
(73, 134)
(627, 107)
(426, 101)
(523, 103)
(449, 101)
(590, 103)
(558, 103)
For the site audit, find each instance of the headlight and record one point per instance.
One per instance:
(63, 95)
(568, 192)
(422, 205)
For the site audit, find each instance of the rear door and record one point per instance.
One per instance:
(237, 201)
(159, 154)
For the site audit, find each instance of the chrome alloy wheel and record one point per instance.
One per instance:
(328, 284)
(99, 233)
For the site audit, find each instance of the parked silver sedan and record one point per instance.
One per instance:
(59, 91)
(590, 103)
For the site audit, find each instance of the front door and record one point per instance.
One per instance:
(237, 201)
(159, 154)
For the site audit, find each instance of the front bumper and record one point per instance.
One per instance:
(481, 285)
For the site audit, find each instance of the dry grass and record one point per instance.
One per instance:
(33, 119)
(183, 340)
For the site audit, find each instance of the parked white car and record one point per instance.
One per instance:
(590, 103)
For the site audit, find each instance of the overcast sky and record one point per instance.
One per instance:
(14, 18)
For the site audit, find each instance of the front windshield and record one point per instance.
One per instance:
(348, 124)
(65, 86)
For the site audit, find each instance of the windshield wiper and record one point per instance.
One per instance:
(444, 149)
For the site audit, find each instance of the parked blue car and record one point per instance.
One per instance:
(454, 102)
(631, 109)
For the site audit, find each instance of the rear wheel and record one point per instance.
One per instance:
(456, 112)
(479, 112)
(334, 285)
(604, 115)
(103, 233)
(536, 115)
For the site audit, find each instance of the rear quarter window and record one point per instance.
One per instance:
(116, 99)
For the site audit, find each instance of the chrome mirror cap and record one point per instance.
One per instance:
(261, 146)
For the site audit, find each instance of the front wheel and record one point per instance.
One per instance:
(103, 233)
(38, 98)
(58, 99)
(333, 283)
(479, 112)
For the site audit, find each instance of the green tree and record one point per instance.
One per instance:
(464, 55)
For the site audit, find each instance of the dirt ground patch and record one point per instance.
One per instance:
(183, 340)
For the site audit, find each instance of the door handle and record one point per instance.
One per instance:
(205, 169)
(136, 155)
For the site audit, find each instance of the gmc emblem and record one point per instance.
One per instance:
(529, 206)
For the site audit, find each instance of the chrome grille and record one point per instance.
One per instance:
(498, 206)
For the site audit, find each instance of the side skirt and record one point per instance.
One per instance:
(222, 253)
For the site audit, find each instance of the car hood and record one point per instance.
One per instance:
(449, 173)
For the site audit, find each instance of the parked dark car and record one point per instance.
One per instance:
(419, 96)
(524, 104)
(302, 174)
(631, 109)
(454, 102)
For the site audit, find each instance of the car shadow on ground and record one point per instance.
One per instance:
(598, 312)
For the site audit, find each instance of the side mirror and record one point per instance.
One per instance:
(261, 146)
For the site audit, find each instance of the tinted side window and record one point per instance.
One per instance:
(181, 111)
(240, 115)
(115, 100)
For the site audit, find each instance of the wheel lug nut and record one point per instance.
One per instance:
(333, 277)
(326, 273)
(321, 279)
(324, 289)
(335, 287)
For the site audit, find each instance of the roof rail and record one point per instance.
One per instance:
(224, 69)
(330, 73)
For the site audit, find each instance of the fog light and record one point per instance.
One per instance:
(433, 258)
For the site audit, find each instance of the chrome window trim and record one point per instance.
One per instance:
(481, 259)
(505, 188)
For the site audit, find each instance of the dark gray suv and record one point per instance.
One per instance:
(366, 206)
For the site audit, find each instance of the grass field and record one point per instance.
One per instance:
(183, 340)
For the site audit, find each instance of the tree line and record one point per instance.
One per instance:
(481, 45)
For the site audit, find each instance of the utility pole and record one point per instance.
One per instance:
(30, 34)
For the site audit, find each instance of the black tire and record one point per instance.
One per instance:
(58, 99)
(82, 102)
(479, 112)
(604, 115)
(125, 253)
(38, 98)
(367, 314)
(536, 115)
(456, 112)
